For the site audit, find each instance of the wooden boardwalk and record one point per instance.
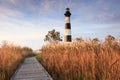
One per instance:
(31, 69)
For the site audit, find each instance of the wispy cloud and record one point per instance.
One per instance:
(93, 11)
(9, 12)
(15, 29)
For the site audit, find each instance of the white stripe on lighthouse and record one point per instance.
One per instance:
(67, 19)
(67, 32)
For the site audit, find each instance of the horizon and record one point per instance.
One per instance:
(26, 23)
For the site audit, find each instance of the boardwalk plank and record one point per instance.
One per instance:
(31, 69)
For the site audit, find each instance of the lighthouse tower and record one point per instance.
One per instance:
(67, 34)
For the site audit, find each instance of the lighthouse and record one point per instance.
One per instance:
(67, 33)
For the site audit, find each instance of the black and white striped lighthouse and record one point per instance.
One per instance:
(67, 34)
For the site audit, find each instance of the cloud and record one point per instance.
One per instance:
(16, 29)
(11, 1)
(112, 28)
(89, 11)
(94, 11)
(98, 11)
(13, 37)
(9, 12)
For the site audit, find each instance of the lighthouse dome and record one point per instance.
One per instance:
(67, 13)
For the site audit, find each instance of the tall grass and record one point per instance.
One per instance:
(83, 60)
(10, 57)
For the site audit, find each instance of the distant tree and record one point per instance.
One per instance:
(53, 36)
(25, 48)
(79, 39)
(119, 39)
(110, 40)
(95, 40)
(26, 51)
(4, 44)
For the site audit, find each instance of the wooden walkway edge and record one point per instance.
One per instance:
(31, 69)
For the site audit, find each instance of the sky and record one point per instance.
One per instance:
(26, 22)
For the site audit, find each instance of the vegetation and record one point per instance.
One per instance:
(10, 58)
(53, 36)
(83, 59)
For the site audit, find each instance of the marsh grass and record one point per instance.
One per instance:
(10, 58)
(82, 60)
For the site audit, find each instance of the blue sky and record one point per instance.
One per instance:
(26, 22)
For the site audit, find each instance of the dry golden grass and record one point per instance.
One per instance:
(82, 60)
(10, 57)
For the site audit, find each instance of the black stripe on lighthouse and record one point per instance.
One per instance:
(67, 37)
(67, 26)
